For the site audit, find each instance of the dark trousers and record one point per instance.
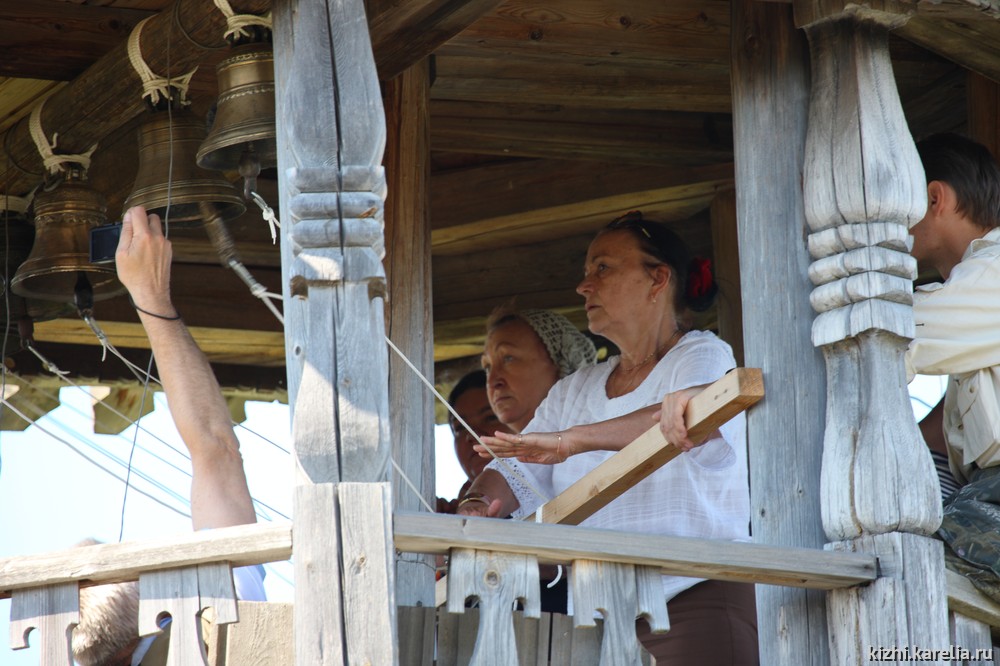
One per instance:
(714, 622)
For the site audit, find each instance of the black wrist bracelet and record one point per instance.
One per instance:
(152, 314)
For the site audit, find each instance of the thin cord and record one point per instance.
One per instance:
(41, 428)
(409, 483)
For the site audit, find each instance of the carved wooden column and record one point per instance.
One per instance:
(331, 132)
(863, 187)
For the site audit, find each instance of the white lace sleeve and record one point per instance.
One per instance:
(525, 482)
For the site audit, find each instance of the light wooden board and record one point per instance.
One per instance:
(241, 545)
(702, 558)
(711, 408)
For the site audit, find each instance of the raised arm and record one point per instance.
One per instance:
(219, 493)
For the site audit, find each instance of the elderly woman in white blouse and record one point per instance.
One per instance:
(639, 282)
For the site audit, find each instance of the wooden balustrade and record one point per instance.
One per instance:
(43, 585)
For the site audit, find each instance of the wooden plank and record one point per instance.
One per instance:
(49, 39)
(660, 138)
(404, 33)
(705, 413)
(702, 89)
(684, 31)
(970, 43)
(770, 78)
(680, 556)
(416, 626)
(262, 637)
(409, 307)
(577, 202)
(971, 635)
(726, 266)
(319, 620)
(369, 562)
(241, 545)
(983, 104)
(221, 345)
(964, 598)
(52, 611)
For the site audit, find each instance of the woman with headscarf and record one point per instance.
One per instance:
(639, 283)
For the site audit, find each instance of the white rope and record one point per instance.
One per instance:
(154, 86)
(53, 163)
(257, 289)
(268, 213)
(406, 479)
(237, 22)
(46, 363)
(15, 204)
(465, 425)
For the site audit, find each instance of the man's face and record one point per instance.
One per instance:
(474, 408)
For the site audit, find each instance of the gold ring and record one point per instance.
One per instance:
(520, 438)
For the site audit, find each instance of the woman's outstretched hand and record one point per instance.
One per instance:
(483, 507)
(546, 448)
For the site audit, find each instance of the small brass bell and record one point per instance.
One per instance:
(168, 176)
(243, 135)
(60, 255)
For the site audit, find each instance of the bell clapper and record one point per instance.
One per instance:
(249, 168)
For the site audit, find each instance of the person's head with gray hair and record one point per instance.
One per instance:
(526, 353)
(109, 619)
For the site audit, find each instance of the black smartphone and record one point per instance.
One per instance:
(104, 242)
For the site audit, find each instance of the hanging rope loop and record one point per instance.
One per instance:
(156, 88)
(237, 24)
(54, 163)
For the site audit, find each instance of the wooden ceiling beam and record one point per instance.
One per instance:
(54, 40)
(108, 94)
(405, 32)
(528, 202)
(636, 137)
(974, 44)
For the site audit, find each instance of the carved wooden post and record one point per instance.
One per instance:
(863, 187)
(183, 594)
(497, 580)
(621, 592)
(52, 611)
(331, 136)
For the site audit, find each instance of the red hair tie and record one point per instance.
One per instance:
(699, 277)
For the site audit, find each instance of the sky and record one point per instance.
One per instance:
(51, 497)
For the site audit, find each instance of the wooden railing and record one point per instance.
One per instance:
(43, 586)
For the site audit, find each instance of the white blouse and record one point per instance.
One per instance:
(703, 493)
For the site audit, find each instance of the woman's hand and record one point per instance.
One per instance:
(481, 506)
(671, 418)
(546, 448)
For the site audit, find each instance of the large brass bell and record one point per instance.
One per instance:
(243, 133)
(17, 236)
(169, 178)
(59, 262)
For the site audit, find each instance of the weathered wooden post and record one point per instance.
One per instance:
(770, 81)
(863, 187)
(331, 133)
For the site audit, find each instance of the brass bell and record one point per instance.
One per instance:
(243, 135)
(169, 178)
(60, 256)
(17, 236)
